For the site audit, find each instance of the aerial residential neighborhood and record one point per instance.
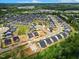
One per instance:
(44, 30)
(39, 30)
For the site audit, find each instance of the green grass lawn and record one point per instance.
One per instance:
(22, 29)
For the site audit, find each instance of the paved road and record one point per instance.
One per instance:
(12, 47)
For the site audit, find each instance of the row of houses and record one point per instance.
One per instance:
(46, 42)
(23, 18)
(12, 39)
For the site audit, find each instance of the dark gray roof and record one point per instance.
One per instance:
(16, 39)
(48, 41)
(64, 34)
(54, 38)
(35, 33)
(42, 43)
(30, 35)
(7, 41)
(59, 36)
